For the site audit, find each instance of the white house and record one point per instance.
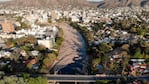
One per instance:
(48, 43)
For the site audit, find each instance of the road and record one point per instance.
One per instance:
(72, 52)
(89, 78)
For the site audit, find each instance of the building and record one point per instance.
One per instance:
(48, 43)
(55, 15)
(7, 27)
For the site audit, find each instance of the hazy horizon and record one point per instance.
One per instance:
(95, 0)
(87, 0)
(4, 0)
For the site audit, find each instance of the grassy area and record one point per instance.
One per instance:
(59, 39)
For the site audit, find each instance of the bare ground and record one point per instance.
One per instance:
(68, 50)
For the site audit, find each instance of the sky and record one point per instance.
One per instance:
(95, 0)
(4, 0)
(87, 0)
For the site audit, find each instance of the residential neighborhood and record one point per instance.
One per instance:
(74, 41)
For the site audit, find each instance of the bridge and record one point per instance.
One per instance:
(90, 78)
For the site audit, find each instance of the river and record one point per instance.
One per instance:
(72, 54)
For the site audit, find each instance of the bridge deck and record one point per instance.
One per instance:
(89, 78)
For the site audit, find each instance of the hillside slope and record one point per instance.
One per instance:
(75, 3)
(123, 3)
(50, 3)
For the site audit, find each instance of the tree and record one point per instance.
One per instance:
(29, 39)
(29, 65)
(124, 53)
(50, 58)
(140, 31)
(95, 62)
(38, 80)
(115, 67)
(138, 53)
(19, 19)
(105, 47)
(42, 80)
(125, 47)
(105, 60)
(13, 80)
(96, 27)
(47, 62)
(2, 74)
(49, 20)
(103, 82)
(133, 30)
(23, 80)
(74, 25)
(24, 25)
(40, 47)
(59, 41)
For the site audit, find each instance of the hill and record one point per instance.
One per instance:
(51, 3)
(79, 3)
(123, 3)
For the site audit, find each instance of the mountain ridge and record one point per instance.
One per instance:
(122, 3)
(51, 3)
(78, 3)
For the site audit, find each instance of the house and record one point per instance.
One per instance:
(31, 61)
(2, 43)
(35, 52)
(146, 72)
(139, 64)
(137, 61)
(4, 53)
(43, 18)
(75, 18)
(48, 43)
(23, 53)
(147, 36)
(7, 27)
(55, 15)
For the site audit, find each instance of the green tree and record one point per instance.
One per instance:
(105, 47)
(133, 30)
(95, 62)
(38, 80)
(138, 53)
(47, 62)
(49, 20)
(24, 25)
(29, 39)
(103, 82)
(59, 41)
(19, 18)
(2, 74)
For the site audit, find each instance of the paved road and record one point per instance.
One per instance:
(72, 52)
(89, 78)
